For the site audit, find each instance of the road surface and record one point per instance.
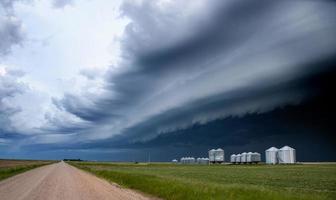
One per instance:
(61, 181)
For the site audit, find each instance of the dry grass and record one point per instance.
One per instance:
(10, 168)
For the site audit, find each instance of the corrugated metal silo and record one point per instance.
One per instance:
(287, 155)
(243, 157)
(249, 157)
(219, 155)
(238, 158)
(233, 158)
(256, 157)
(212, 154)
(192, 160)
(272, 155)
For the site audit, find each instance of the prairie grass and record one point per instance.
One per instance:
(169, 181)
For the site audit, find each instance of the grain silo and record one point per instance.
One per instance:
(249, 157)
(256, 157)
(271, 155)
(187, 160)
(233, 158)
(212, 153)
(192, 160)
(286, 155)
(174, 161)
(243, 157)
(238, 158)
(219, 155)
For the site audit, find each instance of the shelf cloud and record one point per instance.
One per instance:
(181, 64)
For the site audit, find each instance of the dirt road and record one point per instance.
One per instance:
(61, 181)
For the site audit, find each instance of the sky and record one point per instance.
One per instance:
(124, 80)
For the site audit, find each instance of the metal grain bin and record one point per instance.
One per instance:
(287, 155)
(271, 155)
(233, 158)
(219, 155)
(249, 157)
(243, 157)
(192, 160)
(256, 157)
(238, 158)
(212, 154)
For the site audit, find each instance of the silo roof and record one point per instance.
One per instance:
(286, 148)
(272, 149)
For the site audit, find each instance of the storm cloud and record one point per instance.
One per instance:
(187, 69)
(180, 58)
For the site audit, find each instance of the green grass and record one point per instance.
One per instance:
(8, 171)
(169, 181)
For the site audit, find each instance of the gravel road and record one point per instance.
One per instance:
(61, 181)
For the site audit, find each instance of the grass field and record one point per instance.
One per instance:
(10, 168)
(170, 181)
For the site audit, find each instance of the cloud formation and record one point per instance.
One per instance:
(11, 31)
(9, 87)
(187, 63)
(181, 64)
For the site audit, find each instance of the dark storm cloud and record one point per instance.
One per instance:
(218, 52)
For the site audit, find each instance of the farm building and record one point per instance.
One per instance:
(286, 155)
(233, 158)
(243, 157)
(253, 157)
(216, 155)
(203, 161)
(238, 158)
(272, 155)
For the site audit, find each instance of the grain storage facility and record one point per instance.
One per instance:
(238, 158)
(249, 157)
(286, 155)
(174, 161)
(256, 157)
(212, 153)
(203, 161)
(233, 158)
(219, 155)
(216, 155)
(243, 157)
(271, 155)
